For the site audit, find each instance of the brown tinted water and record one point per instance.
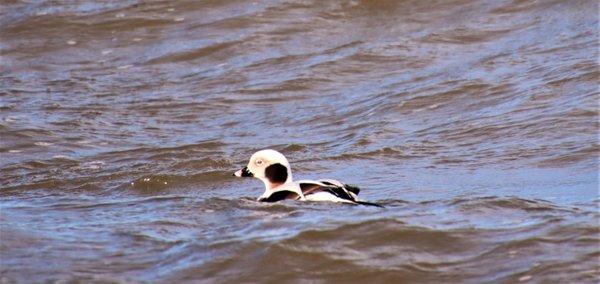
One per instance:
(474, 122)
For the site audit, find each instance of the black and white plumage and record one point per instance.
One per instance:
(274, 170)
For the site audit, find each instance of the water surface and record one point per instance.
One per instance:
(474, 122)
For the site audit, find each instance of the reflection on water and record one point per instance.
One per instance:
(474, 122)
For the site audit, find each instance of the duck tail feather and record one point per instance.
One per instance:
(352, 188)
(369, 204)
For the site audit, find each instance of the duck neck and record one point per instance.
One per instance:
(270, 186)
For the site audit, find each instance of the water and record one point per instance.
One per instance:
(474, 122)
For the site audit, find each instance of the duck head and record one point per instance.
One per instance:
(269, 166)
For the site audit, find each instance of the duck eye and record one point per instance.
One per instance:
(259, 162)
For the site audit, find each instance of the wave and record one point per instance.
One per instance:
(389, 249)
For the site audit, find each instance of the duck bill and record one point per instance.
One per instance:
(243, 173)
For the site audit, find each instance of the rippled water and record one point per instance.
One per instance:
(475, 122)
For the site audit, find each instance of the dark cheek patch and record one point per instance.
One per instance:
(276, 173)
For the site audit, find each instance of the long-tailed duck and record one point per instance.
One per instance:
(274, 170)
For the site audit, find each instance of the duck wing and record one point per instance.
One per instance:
(352, 188)
(335, 190)
(341, 192)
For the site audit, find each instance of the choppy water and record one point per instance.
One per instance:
(475, 122)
